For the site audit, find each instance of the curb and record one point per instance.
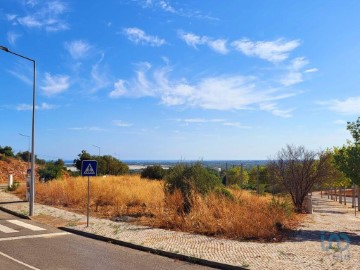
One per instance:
(168, 254)
(14, 213)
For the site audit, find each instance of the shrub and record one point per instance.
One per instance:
(153, 172)
(190, 179)
(14, 186)
(222, 191)
(51, 171)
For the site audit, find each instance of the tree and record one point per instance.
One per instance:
(338, 179)
(153, 172)
(234, 176)
(106, 164)
(7, 151)
(52, 170)
(347, 158)
(299, 169)
(82, 156)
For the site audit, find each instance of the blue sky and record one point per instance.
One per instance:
(163, 79)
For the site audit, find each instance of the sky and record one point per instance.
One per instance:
(179, 80)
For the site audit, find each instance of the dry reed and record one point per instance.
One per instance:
(244, 216)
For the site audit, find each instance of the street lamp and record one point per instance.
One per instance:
(98, 148)
(28, 147)
(32, 179)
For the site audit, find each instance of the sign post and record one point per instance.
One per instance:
(88, 168)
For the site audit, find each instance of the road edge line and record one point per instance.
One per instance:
(14, 213)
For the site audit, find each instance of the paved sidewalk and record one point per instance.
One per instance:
(304, 251)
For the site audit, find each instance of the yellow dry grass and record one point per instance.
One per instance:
(244, 216)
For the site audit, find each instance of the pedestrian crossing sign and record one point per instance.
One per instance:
(88, 167)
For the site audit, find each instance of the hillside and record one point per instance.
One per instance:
(12, 166)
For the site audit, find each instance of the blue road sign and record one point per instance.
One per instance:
(88, 167)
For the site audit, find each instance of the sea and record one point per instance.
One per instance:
(215, 164)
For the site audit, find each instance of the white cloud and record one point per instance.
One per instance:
(28, 107)
(20, 76)
(235, 124)
(294, 74)
(273, 108)
(12, 37)
(218, 45)
(200, 120)
(93, 128)
(311, 70)
(43, 15)
(291, 78)
(350, 105)
(120, 123)
(78, 48)
(231, 92)
(273, 51)
(167, 7)
(55, 84)
(138, 36)
(119, 89)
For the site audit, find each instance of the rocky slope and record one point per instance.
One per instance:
(12, 166)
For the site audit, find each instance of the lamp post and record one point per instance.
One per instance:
(28, 148)
(32, 179)
(98, 148)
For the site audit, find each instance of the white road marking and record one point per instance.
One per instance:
(5, 229)
(46, 235)
(26, 225)
(20, 262)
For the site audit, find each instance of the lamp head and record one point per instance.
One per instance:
(4, 48)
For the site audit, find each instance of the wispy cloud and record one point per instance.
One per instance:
(218, 45)
(43, 15)
(200, 120)
(311, 70)
(12, 37)
(236, 124)
(55, 84)
(294, 74)
(167, 7)
(120, 123)
(228, 92)
(42, 106)
(21, 76)
(92, 128)
(349, 106)
(78, 48)
(273, 51)
(274, 109)
(138, 36)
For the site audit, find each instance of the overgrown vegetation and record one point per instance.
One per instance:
(190, 180)
(107, 165)
(52, 170)
(226, 212)
(155, 172)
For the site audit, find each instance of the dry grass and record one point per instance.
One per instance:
(245, 216)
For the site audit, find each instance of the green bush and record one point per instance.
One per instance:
(155, 172)
(222, 191)
(51, 171)
(190, 179)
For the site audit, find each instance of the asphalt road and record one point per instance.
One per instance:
(39, 246)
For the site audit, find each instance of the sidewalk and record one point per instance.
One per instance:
(304, 251)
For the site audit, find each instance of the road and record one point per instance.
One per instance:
(25, 244)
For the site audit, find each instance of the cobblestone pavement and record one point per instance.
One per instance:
(305, 250)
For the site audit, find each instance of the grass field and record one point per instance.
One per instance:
(243, 216)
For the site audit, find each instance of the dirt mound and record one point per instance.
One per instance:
(12, 166)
